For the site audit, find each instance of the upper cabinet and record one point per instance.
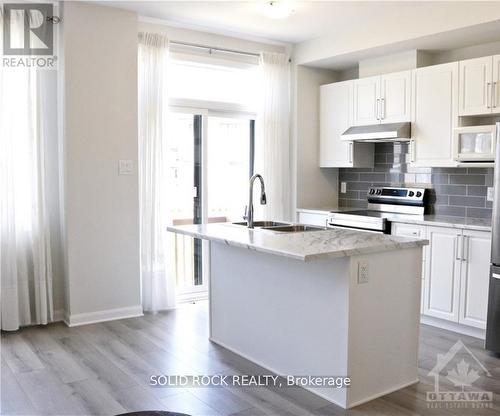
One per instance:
(335, 118)
(382, 99)
(366, 101)
(434, 115)
(479, 81)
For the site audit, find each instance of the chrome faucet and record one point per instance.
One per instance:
(263, 199)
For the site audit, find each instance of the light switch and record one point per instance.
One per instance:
(125, 167)
(490, 194)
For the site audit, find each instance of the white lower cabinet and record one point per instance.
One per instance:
(442, 273)
(474, 278)
(455, 272)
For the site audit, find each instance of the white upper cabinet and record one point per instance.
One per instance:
(475, 278)
(434, 115)
(395, 97)
(479, 86)
(366, 101)
(476, 86)
(335, 118)
(382, 99)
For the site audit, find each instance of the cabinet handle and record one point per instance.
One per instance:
(382, 108)
(464, 251)
(494, 95)
(351, 146)
(412, 150)
(457, 249)
(488, 95)
(377, 109)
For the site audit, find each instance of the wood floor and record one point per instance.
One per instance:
(104, 369)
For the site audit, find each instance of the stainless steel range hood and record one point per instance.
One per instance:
(375, 133)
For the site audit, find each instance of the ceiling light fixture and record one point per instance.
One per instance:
(276, 9)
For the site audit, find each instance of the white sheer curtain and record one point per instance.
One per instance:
(25, 258)
(274, 135)
(158, 283)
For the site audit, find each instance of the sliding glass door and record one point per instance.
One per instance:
(184, 143)
(211, 158)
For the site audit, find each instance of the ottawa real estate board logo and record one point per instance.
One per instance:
(28, 31)
(458, 378)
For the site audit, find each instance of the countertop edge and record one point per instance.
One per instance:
(430, 222)
(390, 246)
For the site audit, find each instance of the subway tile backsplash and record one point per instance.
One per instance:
(459, 192)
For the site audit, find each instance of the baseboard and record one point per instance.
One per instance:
(102, 316)
(454, 327)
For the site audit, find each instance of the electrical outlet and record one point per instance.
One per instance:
(343, 187)
(490, 194)
(363, 271)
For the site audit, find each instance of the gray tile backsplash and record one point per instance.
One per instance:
(459, 192)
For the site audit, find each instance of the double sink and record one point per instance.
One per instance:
(282, 227)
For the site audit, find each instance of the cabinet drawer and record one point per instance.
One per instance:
(311, 218)
(408, 230)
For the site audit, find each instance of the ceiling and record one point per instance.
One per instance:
(310, 20)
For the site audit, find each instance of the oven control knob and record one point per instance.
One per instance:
(379, 191)
(372, 191)
(411, 193)
(419, 194)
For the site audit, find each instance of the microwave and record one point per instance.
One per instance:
(474, 143)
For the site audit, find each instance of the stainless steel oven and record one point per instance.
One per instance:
(383, 204)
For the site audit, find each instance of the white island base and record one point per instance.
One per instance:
(314, 318)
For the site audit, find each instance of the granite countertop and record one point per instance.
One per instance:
(479, 224)
(304, 246)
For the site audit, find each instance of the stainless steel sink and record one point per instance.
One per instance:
(261, 224)
(293, 228)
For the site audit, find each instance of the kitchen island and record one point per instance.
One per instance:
(331, 302)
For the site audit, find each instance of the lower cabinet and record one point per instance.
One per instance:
(456, 273)
(457, 276)
(442, 273)
(475, 278)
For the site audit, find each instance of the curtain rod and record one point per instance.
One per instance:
(210, 49)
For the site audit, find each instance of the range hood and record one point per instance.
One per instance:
(375, 133)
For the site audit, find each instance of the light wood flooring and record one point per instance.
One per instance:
(104, 369)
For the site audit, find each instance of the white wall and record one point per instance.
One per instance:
(314, 187)
(100, 127)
